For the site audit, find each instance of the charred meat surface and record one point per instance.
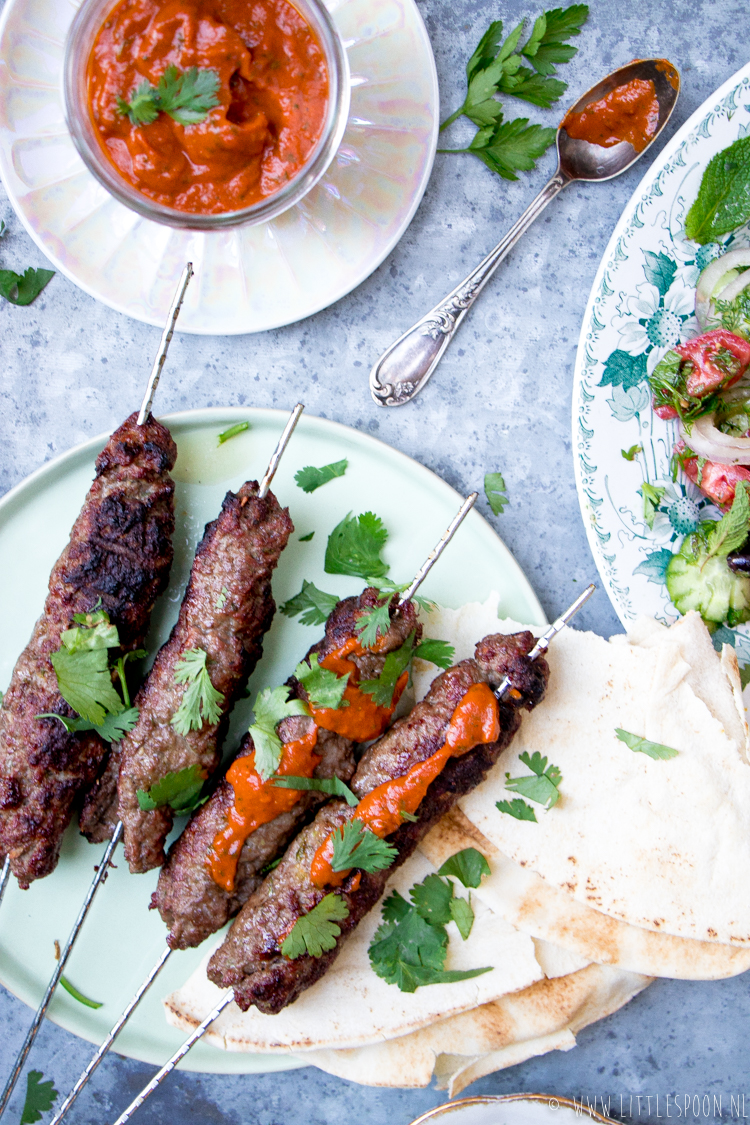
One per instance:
(119, 555)
(250, 960)
(191, 904)
(226, 610)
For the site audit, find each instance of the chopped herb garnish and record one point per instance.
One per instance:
(311, 478)
(112, 729)
(324, 688)
(632, 453)
(374, 622)
(306, 538)
(494, 490)
(355, 845)
(270, 707)
(354, 547)
(23, 288)
(221, 601)
(201, 702)
(82, 667)
(237, 428)
(437, 652)
(74, 992)
(187, 97)
(656, 750)
(313, 604)
(517, 808)
(469, 866)
(316, 931)
(334, 786)
(180, 789)
(542, 786)
(652, 498)
(40, 1097)
(462, 915)
(395, 664)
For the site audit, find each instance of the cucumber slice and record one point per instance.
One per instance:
(708, 586)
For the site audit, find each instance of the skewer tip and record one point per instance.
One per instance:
(278, 452)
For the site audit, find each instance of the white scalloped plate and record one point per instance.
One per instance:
(640, 307)
(250, 278)
(122, 939)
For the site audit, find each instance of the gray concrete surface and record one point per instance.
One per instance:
(501, 399)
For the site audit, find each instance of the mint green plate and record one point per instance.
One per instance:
(122, 938)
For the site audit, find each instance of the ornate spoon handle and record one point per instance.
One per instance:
(405, 367)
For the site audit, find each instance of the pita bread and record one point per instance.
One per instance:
(351, 1006)
(661, 845)
(523, 898)
(507, 1031)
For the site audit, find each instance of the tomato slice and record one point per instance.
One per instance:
(719, 359)
(717, 482)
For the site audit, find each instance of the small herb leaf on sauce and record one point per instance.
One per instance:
(395, 664)
(656, 750)
(270, 707)
(355, 845)
(316, 931)
(40, 1097)
(723, 200)
(374, 623)
(201, 702)
(517, 808)
(314, 605)
(469, 866)
(331, 785)
(542, 786)
(354, 547)
(180, 789)
(233, 431)
(311, 478)
(186, 96)
(324, 688)
(494, 490)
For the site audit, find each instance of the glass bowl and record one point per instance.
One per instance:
(84, 29)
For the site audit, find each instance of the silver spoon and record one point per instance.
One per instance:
(405, 367)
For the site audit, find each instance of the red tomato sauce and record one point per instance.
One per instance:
(273, 94)
(474, 721)
(361, 719)
(627, 113)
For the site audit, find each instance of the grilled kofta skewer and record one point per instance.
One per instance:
(226, 610)
(422, 765)
(118, 559)
(214, 866)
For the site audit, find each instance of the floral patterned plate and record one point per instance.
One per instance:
(641, 305)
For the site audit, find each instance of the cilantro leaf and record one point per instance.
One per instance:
(632, 453)
(85, 683)
(395, 663)
(652, 498)
(313, 604)
(494, 489)
(517, 808)
(731, 530)
(316, 931)
(187, 97)
(201, 702)
(374, 623)
(354, 845)
(462, 915)
(40, 1097)
(324, 688)
(22, 289)
(542, 786)
(311, 478)
(333, 785)
(271, 706)
(92, 631)
(511, 146)
(354, 547)
(179, 789)
(112, 729)
(233, 431)
(656, 750)
(143, 107)
(469, 866)
(432, 899)
(723, 200)
(437, 652)
(77, 995)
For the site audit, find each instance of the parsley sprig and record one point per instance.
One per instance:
(316, 932)
(201, 702)
(40, 1097)
(410, 948)
(187, 97)
(498, 68)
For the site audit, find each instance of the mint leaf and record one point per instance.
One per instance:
(22, 289)
(40, 1097)
(469, 866)
(313, 604)
(332, 785)
(316, 931)
(271, 706)
(723, 200)
(656, 750)
(311, 478)
(517, 808)
(179, 789)
(355, 845)
(732, 529)
(324, 688)
(494, 490)
(354, 547)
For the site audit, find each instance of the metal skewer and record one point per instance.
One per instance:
(4, 876)
(437, 551)
(540, 647)
(273, 465)
(101, 873)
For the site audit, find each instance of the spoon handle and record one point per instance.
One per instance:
(405, 367)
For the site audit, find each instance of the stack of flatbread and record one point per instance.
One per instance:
(639, 870)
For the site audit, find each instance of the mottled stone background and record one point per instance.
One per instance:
(501, 399)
